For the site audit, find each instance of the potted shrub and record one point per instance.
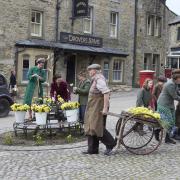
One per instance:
(40, 113)
(20, 111)
(71, 111)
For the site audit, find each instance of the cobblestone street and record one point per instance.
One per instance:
(67, 162)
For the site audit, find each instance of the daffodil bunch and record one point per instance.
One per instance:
(40, 108)
(48, 101)
(60, 99)
(37, 100)
(147, 112)
(69, 105)
(20, 107)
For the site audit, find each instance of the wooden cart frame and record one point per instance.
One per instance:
(136, 133)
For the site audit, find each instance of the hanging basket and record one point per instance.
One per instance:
(72, 115)
(41, 118)
(20, 116)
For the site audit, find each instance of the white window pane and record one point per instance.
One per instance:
(32, 28)
(37, 29)
(87, 26)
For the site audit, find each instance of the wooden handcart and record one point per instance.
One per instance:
(136, 133)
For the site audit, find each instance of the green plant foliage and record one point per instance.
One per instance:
(38, 139)
(69, 139)
(8, 139)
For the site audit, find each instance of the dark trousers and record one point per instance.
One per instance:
(82, 110)
(107, 140)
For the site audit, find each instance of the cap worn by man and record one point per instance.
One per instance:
(176, 71)
(94, 66)
(40, 60)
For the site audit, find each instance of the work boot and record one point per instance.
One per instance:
(108, 152)
(169, 140)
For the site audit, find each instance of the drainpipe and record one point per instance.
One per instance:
(57, 20)
(135, 43)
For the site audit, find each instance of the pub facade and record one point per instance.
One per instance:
(120, 35)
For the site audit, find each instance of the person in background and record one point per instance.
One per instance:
(82, 90)
(36, 76)
(12, 85)
(157, 89)
(144, 98)
(177, 116)
(156, 92)
(165, 105)
(59, 87)
(96, 113)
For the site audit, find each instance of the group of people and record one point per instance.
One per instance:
(161, 99)
(93, 98)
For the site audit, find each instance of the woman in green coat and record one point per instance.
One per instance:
(36, 77)
(82, 90)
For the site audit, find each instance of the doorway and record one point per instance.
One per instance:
(71, 63)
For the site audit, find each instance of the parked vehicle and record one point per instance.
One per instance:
(5, 98)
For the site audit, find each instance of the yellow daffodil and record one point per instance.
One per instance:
(20, 107)
(147, 113)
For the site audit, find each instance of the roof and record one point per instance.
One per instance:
(70, 47)
(175, 21)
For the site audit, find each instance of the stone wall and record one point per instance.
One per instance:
(152, 44)
(15, 25)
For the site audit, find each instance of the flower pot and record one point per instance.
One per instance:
(41, 118)
(20, 116)
(72, 115)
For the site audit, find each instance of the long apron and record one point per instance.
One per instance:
(93, 117)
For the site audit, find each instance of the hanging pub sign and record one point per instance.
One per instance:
(80, 8)
(80, 39)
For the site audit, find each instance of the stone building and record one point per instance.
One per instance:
(173, 58)
(22, 20)
(124, 36)
(151, 40)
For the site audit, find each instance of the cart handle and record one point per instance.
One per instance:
(113, 114)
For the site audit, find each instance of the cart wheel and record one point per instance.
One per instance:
(138, 136)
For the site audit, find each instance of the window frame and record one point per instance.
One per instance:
(111, 24)
(33, 34)
(107, 70)
(157, 26)
(89, 19)
(22, 75)
(155, 67)
(150, 25)
(120, 70)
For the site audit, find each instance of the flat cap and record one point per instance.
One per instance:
(40, 60)
(176, 71)
(94, 66)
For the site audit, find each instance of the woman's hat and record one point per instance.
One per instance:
(94, 66)
(40, 60)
